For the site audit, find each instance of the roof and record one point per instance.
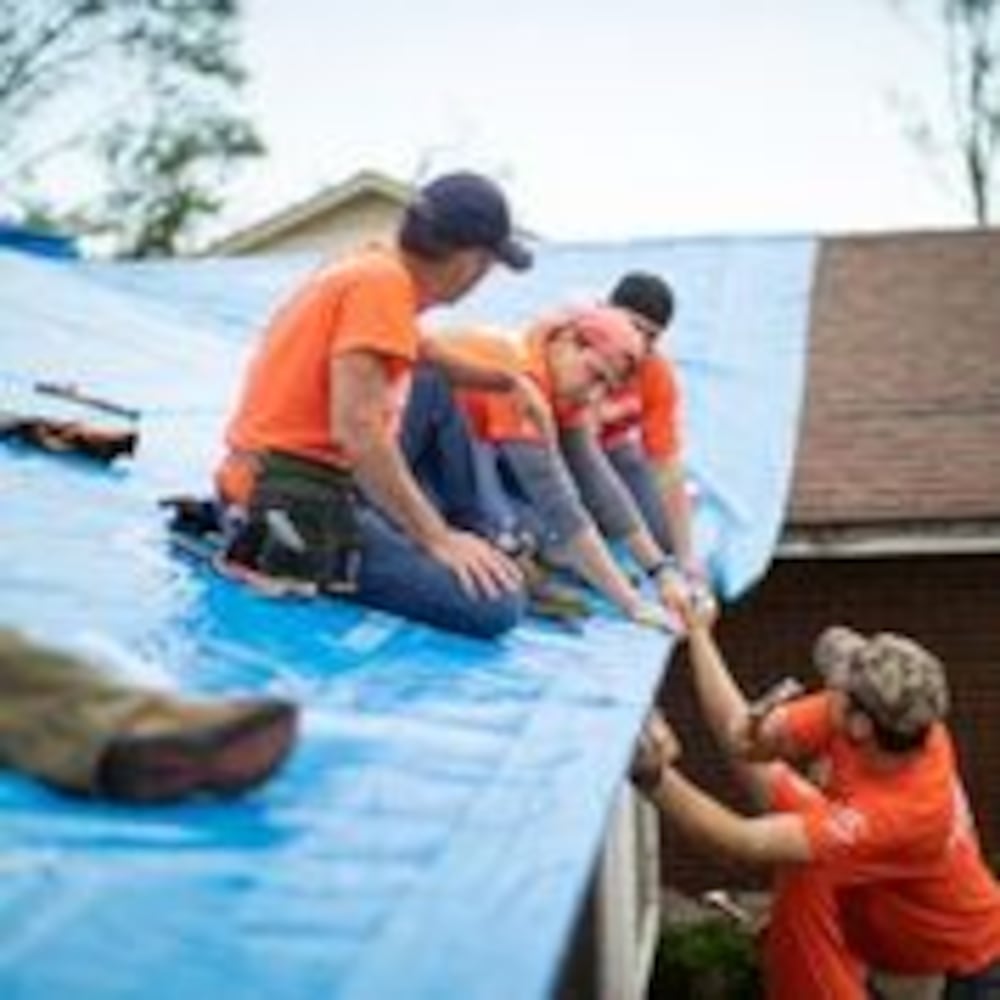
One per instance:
(437, 828)
(364, 184)
(902, 412)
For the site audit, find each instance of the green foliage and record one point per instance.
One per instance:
(165, 172)
(139, 96)
(706, 960)
(970, 139)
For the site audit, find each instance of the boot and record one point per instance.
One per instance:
(548, 598)
(173, 748)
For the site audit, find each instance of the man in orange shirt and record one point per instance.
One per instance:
(315, 480)
(877, 858)
(634, 449)
(574, 358)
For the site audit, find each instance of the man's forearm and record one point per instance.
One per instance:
(723, 704)
(708, 823)
(384, 477)
(591, 558)
(465, 372)
(726, 712)
(357, 420)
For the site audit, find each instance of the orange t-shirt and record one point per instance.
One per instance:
(497, 416)
(647, 407)
(901, 848)
(366, 303)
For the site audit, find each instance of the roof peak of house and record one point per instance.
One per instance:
(361, 182)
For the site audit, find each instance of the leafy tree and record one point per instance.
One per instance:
(137, 98)
(165, 172)
(972, 50)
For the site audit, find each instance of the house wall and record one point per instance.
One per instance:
(950, 604)
(364, 218)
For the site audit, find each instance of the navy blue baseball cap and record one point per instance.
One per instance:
(465, 210)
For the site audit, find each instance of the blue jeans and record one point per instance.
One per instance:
(398, 576)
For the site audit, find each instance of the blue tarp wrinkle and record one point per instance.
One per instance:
(435, 831)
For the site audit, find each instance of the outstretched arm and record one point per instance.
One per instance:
(545, 481)
(774, 838)
(481, 374)
(770, 839)
(727, 713)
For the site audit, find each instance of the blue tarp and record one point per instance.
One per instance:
(434, 833)
(32, 241)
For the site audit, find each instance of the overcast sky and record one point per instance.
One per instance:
(606, 119)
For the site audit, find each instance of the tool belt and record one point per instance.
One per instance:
(301, 522)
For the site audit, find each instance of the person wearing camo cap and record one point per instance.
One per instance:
(877, 861)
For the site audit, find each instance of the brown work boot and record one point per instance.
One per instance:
(175, 748)
(547, 597)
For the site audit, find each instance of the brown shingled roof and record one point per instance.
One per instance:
(902, 412)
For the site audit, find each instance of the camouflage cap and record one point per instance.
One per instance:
(834, 653)
(895, 680)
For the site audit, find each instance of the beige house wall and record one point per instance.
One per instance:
(333, 232)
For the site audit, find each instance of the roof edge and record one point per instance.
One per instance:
(901, 538)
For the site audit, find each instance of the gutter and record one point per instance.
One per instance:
(905, 539)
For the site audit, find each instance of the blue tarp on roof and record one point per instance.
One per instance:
(435, 831)
(32, 241)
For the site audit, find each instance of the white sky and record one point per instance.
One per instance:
(606, 120)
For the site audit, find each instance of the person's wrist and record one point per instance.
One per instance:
(663, 568)
(433, 536)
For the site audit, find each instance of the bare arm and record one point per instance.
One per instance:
(481, 375)
(769, 839)
(726, 711)
(587, 553)
(357, 421)
(472, 374)
(775, 838)
(359, 394)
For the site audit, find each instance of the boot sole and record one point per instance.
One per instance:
(225, 760)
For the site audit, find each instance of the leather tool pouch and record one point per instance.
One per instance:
(301, 523)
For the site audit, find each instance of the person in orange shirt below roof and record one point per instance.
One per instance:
(878, 864)
(315, 484)
(574, 358)
(634, 449)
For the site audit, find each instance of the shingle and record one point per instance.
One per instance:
(902, 409)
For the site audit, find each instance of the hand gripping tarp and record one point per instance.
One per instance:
(435, 831)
